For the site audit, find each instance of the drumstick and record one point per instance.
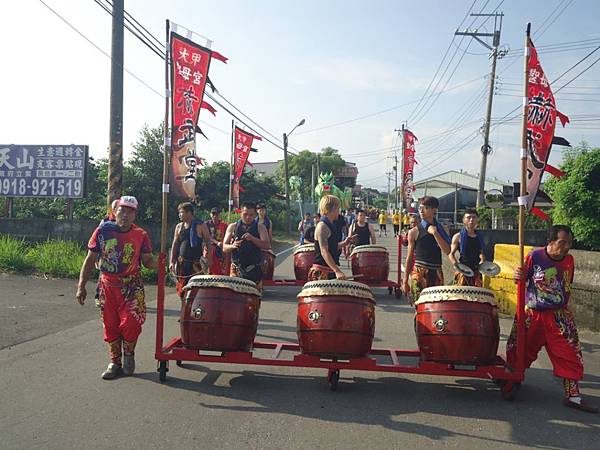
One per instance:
(358, 275)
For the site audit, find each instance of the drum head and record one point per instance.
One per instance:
(456, 293)
(464, 269)
(489, 268)
(369, 248)
(304, 248)
(336, 287)
(235, 284)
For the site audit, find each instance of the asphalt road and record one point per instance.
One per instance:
(51, 394)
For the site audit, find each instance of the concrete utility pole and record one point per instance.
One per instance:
(115, 148)
(389, 178)
(286, 182)
(486, 149)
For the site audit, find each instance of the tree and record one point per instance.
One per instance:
(301, 166)
(576, 195)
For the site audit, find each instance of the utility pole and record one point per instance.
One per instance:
(286, 183)
(389, 178)
(485, 148)
(115, 148)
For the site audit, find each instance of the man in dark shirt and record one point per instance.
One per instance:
(426, 242)
(469, 243)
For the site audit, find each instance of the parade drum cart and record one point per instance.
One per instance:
(304, 257)
(372, 262)
(313, 310)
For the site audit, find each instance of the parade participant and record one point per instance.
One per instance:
(327, 245)
(303, 225)
(190, 241)
(469, 243)
(350, 218)
(382, 218)
(426, 242)
(216, 229)
(396, 222)
(362, 231)
(317, 219)
(262, 218)
(548, 274)
(245, 239)
(406, 219)
(122, 246)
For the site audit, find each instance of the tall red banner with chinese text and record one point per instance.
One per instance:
(409, 165)
(189, 69)
(541, 122)
(242, 148)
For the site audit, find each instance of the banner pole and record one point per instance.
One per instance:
(160, 297)
(231, 170)
(522, 205)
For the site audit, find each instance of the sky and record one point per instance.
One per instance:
(329, 62)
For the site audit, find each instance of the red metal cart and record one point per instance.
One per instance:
(378, 360)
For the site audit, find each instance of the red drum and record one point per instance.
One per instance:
(219, 313)
(372, 261)
(267, 264)
(457, 324)
(304, 257)
(336, 319)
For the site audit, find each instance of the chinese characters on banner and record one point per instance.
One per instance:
(409, 164)
(43, 170)
(541, 122)
(189, 69)
(243, 146)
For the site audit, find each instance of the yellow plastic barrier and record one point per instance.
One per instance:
(505, 289)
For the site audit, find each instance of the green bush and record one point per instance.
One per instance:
(57, 257)
(13, 254)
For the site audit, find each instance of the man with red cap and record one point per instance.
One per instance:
(122, 247)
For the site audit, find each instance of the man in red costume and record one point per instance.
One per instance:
(122, 247)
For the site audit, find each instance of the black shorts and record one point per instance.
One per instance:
(382, 226)
(396, 228)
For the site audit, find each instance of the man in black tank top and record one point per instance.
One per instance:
(245, 239)
(362, 230)
(327, 245)
(190, 240)
(426, 242)
(469, 245)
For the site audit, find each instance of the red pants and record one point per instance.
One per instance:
(554, 329)
(121, 300)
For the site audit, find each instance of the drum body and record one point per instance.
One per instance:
(267, 264)
(219, 313)
(372, 262)
(304, 257)
(336, 319)
(458, 325)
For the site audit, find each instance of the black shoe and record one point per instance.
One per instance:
(583, 406)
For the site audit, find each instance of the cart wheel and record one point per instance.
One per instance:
(508, 390)
(390, 289)
(163, 368)
(398, 292)
(333, 377)
(179, 363)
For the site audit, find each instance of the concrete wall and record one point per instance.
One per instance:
(585, 294)
(75, 230)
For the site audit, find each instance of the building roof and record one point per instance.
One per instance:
(265, 168)
(464, 179)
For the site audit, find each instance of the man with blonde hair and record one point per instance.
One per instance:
(327, 246)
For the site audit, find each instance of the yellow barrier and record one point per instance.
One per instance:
(505, 289)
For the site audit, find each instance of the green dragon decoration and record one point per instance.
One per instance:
(325, 186)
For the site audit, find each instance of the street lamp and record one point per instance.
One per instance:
(286, 174)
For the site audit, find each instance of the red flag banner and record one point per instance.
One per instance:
(189, 69)
(242, 148)
(409, 165)
(541, 122)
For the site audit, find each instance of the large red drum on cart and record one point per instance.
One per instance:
(372, 262)
(267, 264)
(219, 313)
(304, 257)
(336, 319)
(457, 325)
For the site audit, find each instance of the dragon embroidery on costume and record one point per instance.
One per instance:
(325, 186)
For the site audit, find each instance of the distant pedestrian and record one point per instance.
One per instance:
(263, 219)
(382, 219)
(303, 225)
(396, 222)
(216, 229)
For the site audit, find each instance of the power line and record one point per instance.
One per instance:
(144, 39)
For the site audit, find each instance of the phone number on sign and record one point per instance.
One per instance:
(53, 187)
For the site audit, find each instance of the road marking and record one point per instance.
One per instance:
(286, 250)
